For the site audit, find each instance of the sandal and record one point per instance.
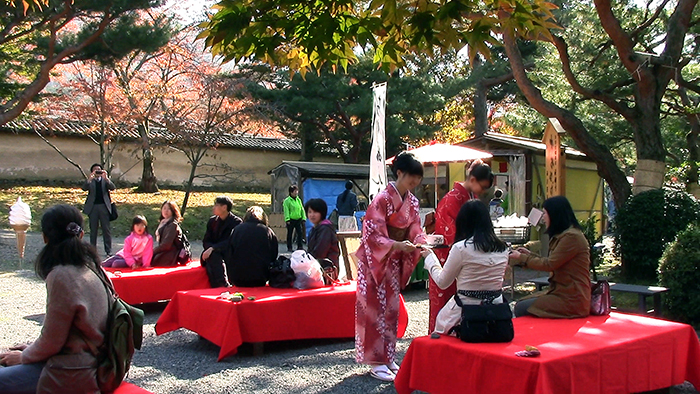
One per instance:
(382, 373)
(393, 367)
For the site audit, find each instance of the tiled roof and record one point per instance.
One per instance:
(75, 128)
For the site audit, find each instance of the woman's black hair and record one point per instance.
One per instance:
(318, 205)
(481, 171)
(473, 220)
(293, 188)
(561, 215)
(62, 225)
(406, 163)
(344, 194)
(139, 219)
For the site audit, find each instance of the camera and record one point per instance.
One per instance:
(99, 172)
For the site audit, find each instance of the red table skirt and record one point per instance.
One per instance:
(156, 284)
(128, 388)
(274, 315)
(599, 354)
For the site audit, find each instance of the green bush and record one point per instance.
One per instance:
(679, 271)
(646, 224)
(590, 230)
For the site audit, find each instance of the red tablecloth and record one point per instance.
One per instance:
(274, 315)
(156, 284)
(599, 354)
(128, 388)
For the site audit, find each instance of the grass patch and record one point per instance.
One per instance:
(129, 204)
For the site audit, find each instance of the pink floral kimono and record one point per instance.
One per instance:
(381, 273)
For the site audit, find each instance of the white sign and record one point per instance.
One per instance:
(377, 160)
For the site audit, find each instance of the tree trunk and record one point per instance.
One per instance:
(651, 155)
(188, 187)
(691, 177)
(481, 122)
(149, 183)
(308, 142)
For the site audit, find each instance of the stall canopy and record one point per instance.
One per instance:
(327, 178)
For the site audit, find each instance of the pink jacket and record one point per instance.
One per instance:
(137, 248)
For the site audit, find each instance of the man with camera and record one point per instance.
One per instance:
(98, 205)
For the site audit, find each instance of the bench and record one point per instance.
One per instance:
(642, 292)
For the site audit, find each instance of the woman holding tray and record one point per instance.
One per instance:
(386, 258)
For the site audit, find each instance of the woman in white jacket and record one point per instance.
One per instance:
(477, 261)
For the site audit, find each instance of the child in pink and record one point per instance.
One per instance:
(138, 247)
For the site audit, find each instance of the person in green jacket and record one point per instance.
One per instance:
(294, 217)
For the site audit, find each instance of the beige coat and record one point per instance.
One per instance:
(569, 294)
(76, 303)
(473, 270)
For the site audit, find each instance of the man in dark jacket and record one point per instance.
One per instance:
(252, 247)
(215, 242)
(98, 205)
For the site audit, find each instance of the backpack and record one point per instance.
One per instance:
(281, 273)
(124, 334)
(185, 254)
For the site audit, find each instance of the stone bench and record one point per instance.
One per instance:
(642, 292)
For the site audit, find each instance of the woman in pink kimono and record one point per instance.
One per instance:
(387, 255)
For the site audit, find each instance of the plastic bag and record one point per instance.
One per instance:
(307, 270)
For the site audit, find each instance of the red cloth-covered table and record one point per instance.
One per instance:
(156, 284)
(274, 315)
(600, 354)
(128, 388)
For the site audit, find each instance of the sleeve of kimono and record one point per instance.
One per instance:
(148, 252)
(61, 309)
(562, 253)
(375, 239)
(445, 218)
(444, 276)
(167, 239)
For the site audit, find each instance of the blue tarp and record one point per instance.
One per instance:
(325, 189)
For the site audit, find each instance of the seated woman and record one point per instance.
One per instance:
(323, 241)
(478, 261)
(60, 360)
(168, 235)
(251, 249)
(138, 247)
(569, 294)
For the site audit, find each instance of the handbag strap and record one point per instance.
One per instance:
(111, 293)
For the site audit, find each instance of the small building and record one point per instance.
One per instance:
(519, 166)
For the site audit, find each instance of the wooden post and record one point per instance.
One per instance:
(555, 160)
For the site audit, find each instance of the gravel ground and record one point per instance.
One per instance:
(180, 362)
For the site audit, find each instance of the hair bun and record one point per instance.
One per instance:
(73, 228)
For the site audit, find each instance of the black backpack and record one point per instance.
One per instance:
(281, 273)
(185, 254)
(124, 334)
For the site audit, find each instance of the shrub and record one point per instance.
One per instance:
(590, 231)
(646, 224)
(679, 271)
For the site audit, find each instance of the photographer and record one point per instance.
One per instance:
(98, 205)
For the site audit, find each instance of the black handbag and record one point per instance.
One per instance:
(485, 322)
(114, 214)
(281, 274)
(330, 271)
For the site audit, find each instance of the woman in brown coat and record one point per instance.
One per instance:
(569, 294)
(168, 235)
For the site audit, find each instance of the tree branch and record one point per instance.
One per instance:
(76, 165)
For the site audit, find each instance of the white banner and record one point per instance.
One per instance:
(377, 160)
